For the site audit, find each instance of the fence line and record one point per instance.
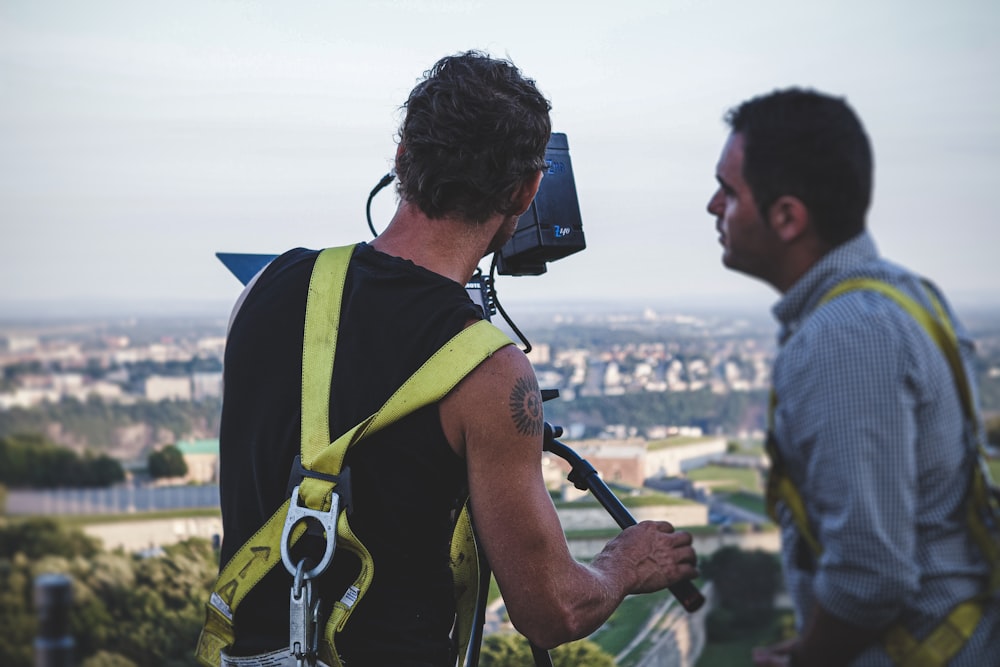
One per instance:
(114, 500)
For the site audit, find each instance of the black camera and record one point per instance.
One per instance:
(551, 228)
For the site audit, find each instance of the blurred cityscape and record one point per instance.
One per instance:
(582, 353)
(668, 407)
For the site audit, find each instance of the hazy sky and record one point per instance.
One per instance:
(139, 138)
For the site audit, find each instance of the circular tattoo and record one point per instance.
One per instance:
(526, 407)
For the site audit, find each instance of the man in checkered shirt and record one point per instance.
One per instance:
(867, 422)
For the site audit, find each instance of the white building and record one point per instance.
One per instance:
(162, 388)
(672, 456)
(206, 385)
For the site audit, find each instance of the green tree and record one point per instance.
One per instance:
(745, 583)
(105, 470)
(505, 650)
(167, 462)
(127, 610)
(993, 431)
(512, 650)
(584, 652)
(96, 422)
(107, 659)
(33, 461)
(37, 538)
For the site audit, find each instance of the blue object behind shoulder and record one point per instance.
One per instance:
(244, 265)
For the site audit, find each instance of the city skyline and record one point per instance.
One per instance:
(141, 139)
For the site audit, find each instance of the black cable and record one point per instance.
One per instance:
(492, 289)
(503, 313)
(386, 180)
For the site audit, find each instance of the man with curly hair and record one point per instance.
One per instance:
(469, 162)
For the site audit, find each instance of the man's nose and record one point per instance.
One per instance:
(714, 203)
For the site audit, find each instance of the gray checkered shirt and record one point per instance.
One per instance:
(873, 435)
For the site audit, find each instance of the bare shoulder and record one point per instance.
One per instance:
(500, 398)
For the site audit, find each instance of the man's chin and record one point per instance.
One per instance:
(733, 265)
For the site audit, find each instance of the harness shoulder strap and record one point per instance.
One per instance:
(429, 384)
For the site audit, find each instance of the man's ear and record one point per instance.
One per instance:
(788, 217)
(526, 192)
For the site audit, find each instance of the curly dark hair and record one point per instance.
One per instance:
(811, 146)
(475, 129)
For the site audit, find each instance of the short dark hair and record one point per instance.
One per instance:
(811, 146)
(475, 129)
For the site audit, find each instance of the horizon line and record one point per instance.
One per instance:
(84, 307)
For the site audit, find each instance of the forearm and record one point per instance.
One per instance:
(588, 596)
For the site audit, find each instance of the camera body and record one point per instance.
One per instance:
(551, 228)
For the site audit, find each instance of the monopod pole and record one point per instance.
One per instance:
(53, 595)
(585, 478)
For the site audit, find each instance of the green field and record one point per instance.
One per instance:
(631, 615)
(738, 651)
(754, 502)
(725, 478)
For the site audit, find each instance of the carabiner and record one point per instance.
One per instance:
(303, 619)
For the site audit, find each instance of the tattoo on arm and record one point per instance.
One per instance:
(526, 406)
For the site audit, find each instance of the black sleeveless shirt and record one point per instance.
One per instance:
(407, 481)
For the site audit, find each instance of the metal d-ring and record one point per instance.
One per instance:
(327, 519)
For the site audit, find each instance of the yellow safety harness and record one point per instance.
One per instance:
(324, 490)
(983, 511)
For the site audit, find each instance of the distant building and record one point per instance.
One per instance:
(16, 344)
(206, 385)
(202, 459)
(164, 388)
(616, 461)
(744, 460)
(586, 516)
(632, 461)
(28, 398)
(540, 353)
(672, 456)
(107, 391)
(680, 487)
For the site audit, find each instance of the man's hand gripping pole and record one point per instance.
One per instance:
(585, 477)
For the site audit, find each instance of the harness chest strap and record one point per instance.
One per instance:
(948, 638)
(429, 384)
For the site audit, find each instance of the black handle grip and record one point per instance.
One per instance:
(585, 477)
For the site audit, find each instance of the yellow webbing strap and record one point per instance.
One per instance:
(319, 341)
(465, 575)
(941, 645)
(429, 384)
(781, 488)
(948, 638)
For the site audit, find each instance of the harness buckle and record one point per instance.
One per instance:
(343, 481)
